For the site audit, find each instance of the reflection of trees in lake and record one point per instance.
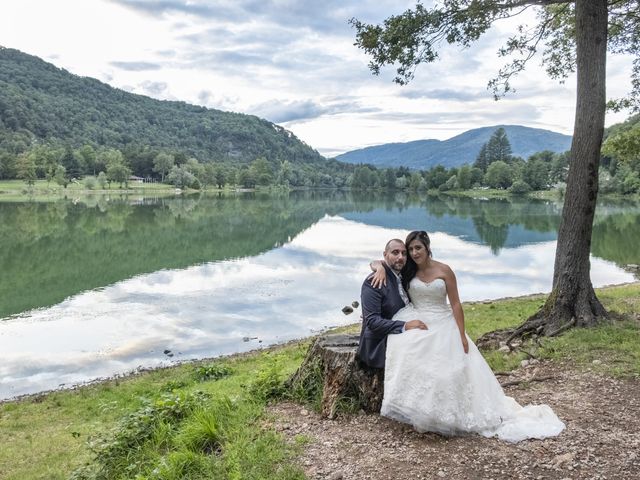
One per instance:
(615, 234)
(493, 235)
(615, 237)
(52, 250)
(493, 220)
(498, 223)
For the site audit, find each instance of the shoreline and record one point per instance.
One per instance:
(20, 191)
(130, 374)
(38, 396)
(530, 296)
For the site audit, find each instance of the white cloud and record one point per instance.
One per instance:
(292, 62)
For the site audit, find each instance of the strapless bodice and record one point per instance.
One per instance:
(428, 295)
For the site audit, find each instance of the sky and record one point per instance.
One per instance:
(293, 63)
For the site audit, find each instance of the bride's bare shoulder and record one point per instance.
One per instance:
(440, 265)
(443, 269)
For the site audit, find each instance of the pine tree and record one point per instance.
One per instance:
(482, 160)
(499, 147)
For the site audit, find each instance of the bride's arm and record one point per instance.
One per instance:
(456, 306)
(379, 277)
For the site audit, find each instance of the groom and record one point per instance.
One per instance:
(379, 305)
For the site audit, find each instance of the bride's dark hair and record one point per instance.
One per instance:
(410, 268)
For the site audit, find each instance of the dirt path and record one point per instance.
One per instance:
(602, 439)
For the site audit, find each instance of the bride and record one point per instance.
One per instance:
(437, 379)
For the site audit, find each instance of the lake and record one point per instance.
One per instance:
(104, 285)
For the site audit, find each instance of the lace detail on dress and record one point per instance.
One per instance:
(432, 384)
(426, 295)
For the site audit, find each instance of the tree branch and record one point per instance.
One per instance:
(539, 3)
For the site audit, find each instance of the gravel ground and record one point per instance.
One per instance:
(601, 441)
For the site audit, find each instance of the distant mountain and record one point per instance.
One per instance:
(39, 101)
(459, 150)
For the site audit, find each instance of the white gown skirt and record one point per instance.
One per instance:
(433, 385)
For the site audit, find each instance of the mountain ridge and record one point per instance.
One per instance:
(41, 101)
(458, 150)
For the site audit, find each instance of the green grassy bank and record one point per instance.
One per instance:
(41, 190)
(493, 193)
(554, 194)
(206, 419)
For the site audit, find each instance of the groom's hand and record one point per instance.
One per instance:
(415, 324)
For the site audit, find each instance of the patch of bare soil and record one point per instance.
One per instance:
(601, 441)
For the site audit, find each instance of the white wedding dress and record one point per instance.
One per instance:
(433, 385)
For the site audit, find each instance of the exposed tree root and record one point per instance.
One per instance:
(528, 354)
(526, 380)
(559, 314)
(493, 340)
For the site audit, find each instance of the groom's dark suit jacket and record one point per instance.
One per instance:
(379, 305)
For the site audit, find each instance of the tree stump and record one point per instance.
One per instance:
(332, 374)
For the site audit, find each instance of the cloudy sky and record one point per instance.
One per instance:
(292, 62)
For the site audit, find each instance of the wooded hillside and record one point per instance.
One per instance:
(40, 101)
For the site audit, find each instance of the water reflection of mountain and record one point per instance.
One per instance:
(49, 251)
(476, 230)
(497, 223)
(505, 223)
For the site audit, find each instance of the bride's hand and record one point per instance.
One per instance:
(379, 278)
(465, 344)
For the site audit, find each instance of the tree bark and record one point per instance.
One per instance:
(572, 301)
(332, 374)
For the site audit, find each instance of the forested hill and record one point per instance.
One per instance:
(459, 150)
(40, 101)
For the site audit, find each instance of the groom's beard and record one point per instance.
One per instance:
(397, 267)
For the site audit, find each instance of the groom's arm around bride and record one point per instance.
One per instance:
(379, 305)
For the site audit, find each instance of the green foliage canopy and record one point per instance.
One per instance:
(415, 36)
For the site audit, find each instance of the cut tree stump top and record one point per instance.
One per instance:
(344, 379)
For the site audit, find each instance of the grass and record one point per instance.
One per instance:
(18, 190)
(41, 191)
(614, 347)
(206, 420)
(49, 436)
(497, 193)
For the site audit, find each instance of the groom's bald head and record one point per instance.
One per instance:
(395, 254)
(390, 244)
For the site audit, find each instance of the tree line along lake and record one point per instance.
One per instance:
(103, 285)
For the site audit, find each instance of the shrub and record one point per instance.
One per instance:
(631, 183)
(269, 383)
(123, 451)
(90, 182)
(520, 187)
(213, 371)
(102, 180)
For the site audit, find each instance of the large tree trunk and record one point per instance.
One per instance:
(572, 301)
